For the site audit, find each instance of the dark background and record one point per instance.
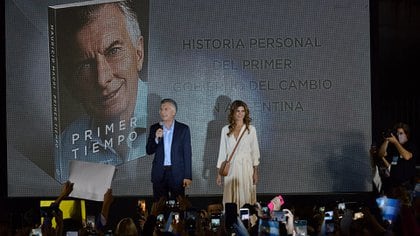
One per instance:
(395, 50)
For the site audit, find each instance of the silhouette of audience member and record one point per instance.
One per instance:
(166, 219)
(126, 227)
(56, 213)
(102, 220)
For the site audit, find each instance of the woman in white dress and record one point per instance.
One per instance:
(239, 186)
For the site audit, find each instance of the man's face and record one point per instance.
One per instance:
(107, 65)
(167, 111)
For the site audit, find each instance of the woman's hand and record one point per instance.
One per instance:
(219, 180)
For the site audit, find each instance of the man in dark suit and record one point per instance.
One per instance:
(170, 142)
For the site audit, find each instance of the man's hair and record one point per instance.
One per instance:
(71, 20)
(171, 101)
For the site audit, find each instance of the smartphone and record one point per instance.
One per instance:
(90, 222)
(329, 222)
(172, 204)
(358, 215)
(329, 226)
(160, 222)
(341, 208)
(244, 215)
(328, 215)
(231, 214)
(265, 212)
(36, 232)
(176, 217)
(72, 233)
(215, 222)
(279, 216)
(268, 227)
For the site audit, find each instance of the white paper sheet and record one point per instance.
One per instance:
(91, 180)
(377, 180)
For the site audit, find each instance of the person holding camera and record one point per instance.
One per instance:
(398, 153)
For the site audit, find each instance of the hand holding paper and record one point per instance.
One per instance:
(91, 180)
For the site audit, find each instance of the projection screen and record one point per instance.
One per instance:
(303, 67)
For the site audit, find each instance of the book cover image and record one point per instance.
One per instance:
(98, 82)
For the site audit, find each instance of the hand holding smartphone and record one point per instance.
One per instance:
(215, 222)
(279, 216)
(244, 215)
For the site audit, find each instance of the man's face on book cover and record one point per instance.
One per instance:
(108, 62)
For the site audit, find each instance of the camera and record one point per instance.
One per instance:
(388, 133)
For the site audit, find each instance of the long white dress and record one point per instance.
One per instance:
(238, 184)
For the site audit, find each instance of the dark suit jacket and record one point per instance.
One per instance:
(180, 153)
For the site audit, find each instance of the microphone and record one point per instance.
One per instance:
(161, 127)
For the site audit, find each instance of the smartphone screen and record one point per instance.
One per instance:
(279, 216)
(90, 222)
(268, 227)
(215, 222)
(175, 217)
(358, 215)
(329, 226)
(329, 222)
(328, 215)
(244, 215)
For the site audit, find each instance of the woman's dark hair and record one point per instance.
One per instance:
(233, 107)
(404, 126)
